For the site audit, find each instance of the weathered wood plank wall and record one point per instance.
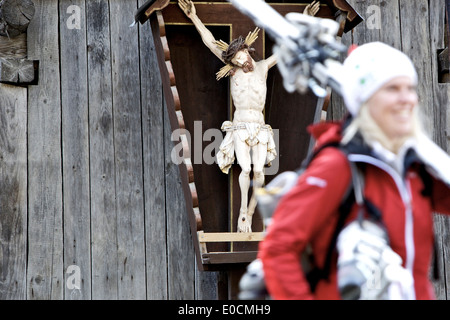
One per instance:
(417, 28)
(88, 188)
(75, 150)
(13, 200)
(89, 191)
(101, 140)
(13, 179)
(441, 134)
(45, 238)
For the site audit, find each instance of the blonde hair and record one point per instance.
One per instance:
(371, 131)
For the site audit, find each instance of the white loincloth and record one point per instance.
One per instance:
(248, 132)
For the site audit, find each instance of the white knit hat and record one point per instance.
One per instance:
(369, 67)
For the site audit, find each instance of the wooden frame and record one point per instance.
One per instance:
(219, 249)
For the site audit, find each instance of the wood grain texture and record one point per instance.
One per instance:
(180, 266)
(13, 195)
(13, 48)
(127, 152)
(45, 222)
(75, 153)
(17, 71)
(105, 275)
(152, 104)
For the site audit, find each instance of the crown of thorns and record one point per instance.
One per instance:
(229, 50)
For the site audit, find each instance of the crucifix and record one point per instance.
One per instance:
(248, 138)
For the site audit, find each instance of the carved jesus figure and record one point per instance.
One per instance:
(247, 136)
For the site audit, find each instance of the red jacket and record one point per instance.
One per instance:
(308, 215)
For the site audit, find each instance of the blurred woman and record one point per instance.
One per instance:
(406, 179)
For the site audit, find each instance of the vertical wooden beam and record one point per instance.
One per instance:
(153, 159)
(181, 265)
(105, 276)
(13, 179)
(128, 151)
(45, 234)
(75, 151)
(13, 195)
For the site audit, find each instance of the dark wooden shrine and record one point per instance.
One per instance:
(197, 102)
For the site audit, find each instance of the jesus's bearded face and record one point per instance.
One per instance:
(243, 60)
